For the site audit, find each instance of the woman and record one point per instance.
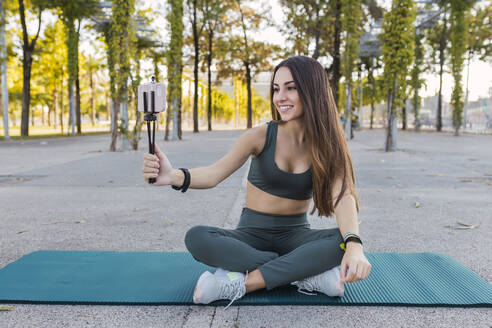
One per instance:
(299, 155)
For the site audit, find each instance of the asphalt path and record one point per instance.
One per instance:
(73, 194)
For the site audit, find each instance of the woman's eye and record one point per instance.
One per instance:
(275, 90)
(291, 88)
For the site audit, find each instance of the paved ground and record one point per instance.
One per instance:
(47, 186)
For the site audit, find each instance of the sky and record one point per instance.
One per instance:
(480, 77)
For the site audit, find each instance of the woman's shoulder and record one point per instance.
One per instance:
(260, 133)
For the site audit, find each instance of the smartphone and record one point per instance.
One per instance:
(152, 97)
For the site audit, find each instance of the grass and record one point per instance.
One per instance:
(41, 132)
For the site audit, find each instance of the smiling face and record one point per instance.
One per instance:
(285, 96)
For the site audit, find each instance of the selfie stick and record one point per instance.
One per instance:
(150, 116)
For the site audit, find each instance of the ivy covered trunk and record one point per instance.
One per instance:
(459, 41)
(121, 49)
(3, 67)
(27, 51)
(416, 83)
(398, 41)
(196, 44)
(209, 78)
(335, 76)
(442, 48)
(72, 53)
(351, 18)
(175, 68)
(370, 77)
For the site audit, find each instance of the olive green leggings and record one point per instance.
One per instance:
(282, 247)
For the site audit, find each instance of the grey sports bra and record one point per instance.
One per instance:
(266, 175)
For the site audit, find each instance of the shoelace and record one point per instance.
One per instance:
(306, 285)
(228, 290)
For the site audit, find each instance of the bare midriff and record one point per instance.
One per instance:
(261, 201)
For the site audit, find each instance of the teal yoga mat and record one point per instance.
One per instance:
(88, 277)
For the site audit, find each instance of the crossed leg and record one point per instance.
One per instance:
(299, 252)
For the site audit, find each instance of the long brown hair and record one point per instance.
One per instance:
(323, 132)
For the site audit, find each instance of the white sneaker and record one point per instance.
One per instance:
(221, 272)
(209, 287)
(328, 283)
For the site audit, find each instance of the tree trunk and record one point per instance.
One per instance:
(348, 112)
(442, 49)
(108, 106)
(55, 104)
(60, 97)
(93, 95)
(168, 119)
(248, 85)
(336, 75)
(77, 105)
(115, 106)
(209, 76)
(371, 96)
(26, 92)
(390, 141)
(71, 99)
(316, 35)
(195, 68)
(32, 112)
(404, 115)
(3, 67)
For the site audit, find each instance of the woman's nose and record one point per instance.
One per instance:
(281, 94)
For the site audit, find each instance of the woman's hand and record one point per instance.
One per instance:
(354, 260)
(157, 166)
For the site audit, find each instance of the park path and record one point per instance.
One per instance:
(72, 194)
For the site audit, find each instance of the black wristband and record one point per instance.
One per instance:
(353, 238)
(187, 180)
(185, 185)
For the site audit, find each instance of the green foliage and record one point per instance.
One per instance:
(416, 81)
(480, 33)
(223, 105)
(459, 42)
(174, 55)
(398, 47)
(309, 25)
(122, 36)
(351, 17)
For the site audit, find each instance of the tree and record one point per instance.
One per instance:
(459, 41)
(121, 30)
(397, 50)
(371, 63)
(48, 72)
(416, 81)
(28, 47)
(71, 13)
(197, 25)
(3, 68)
(437, 38)
(252, 55)
(350, 21)
(213, 14)
(175, 67)
(479, 39)
(316, 25)
(92, 66)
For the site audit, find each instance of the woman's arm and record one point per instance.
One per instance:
(347, 219)
(158, 165)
